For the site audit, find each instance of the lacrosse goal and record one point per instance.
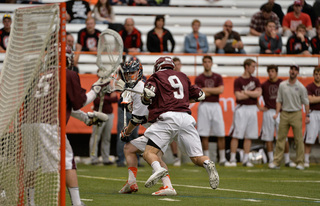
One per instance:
(30, 129)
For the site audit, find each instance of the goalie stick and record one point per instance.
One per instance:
(109, 56)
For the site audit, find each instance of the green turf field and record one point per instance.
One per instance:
(99, 185)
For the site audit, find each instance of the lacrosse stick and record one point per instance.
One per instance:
(109, 57)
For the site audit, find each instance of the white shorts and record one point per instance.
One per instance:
(179, 126)
(210, 120)
(269, 125)
(245, 122)
(313, 128)
(42, 148)
(140, 143)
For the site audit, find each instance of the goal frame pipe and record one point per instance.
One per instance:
(62, 105)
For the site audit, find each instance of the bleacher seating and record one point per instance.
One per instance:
(179, 16)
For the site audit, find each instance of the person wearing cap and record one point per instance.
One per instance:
(306, 8)
(291, 95)
(292, 19)
(5, 32)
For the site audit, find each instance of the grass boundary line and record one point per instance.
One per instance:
(201, 187)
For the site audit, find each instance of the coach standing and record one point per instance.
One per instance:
(291, 95)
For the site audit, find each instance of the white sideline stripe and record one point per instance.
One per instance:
(306, 181)
(200, 187)
(170, 200)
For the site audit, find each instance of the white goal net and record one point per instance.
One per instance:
(29, 108)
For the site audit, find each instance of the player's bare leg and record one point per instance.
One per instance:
(151, 156)
(307, 151)
(269, 145)
(233, 151)
(174, 149)
(204, 161)
(246, 148)
(132, 162)
(73, 187)
(205, 145)
(286, 155)
(222, 151)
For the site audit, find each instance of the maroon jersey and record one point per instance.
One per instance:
(87, 40)
(314, 90)
(107, 103)
(249, 84)
(269, 93)
(215, 80)
(76, 95)
(173, 91)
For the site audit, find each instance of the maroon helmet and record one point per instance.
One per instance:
(162, 63)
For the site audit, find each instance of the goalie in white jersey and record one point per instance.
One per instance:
(132, 73)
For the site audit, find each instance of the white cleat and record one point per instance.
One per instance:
(306, 165)
(290, 164)
(177, 162)
(129, 188)
(155, 177)
(248, 164)
(165, 191)
(213, 175)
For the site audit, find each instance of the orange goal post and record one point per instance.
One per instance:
(33, 107)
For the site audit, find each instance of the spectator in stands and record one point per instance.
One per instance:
(276, 8)
(316, 10)
(306, 8)
(118, 2)
(158, 37)
(70, 40)
(292, 19)
(298, 43)
(131, 37)
(87, 38)
(228, 41)
(196, 42)
(259, 20)
(78, 11)
(103, 12)
(158, 2)
(315, 41)
(177, 64)
(138, 2)
(270, 41)
(5, 32)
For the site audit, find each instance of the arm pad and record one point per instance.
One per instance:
(136, 120)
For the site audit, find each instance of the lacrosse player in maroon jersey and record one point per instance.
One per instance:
(210, 118)
(269, 124)
(48, 132)
(313, 128)
(132, 73)
(168, 92)
(247, 89)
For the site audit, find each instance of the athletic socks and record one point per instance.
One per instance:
(245, 158)
(155, 165)
(74, 195)
(132, 174)
(306, 158)
(167, 182)
(270, 156)
(30, 196)
(233, 157)
(222, 155)
(286, 158)
(206, 153)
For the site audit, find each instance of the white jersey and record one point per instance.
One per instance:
(139, 109)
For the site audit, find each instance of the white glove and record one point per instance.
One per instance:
(102, 85)
(96, 118)
(120, 85)
(148, 93)
(202, 96)
(126, 97)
